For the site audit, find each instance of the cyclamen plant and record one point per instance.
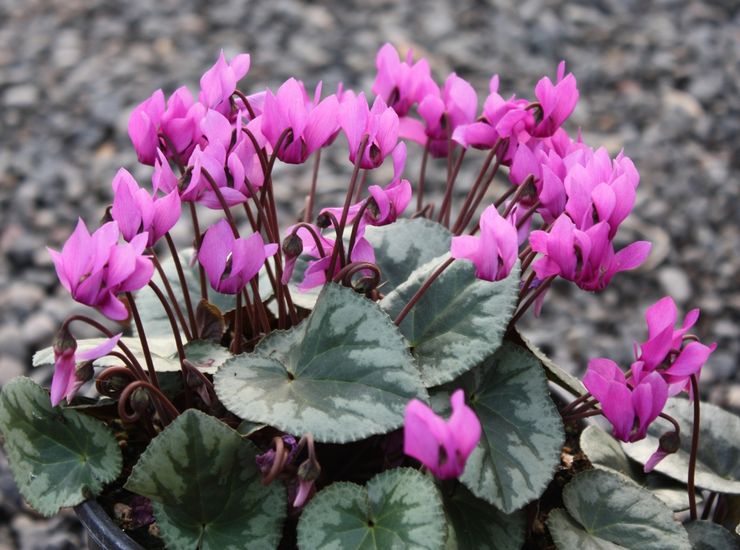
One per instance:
(354, 378)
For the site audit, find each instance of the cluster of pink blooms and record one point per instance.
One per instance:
(216, 150)
(663, 367)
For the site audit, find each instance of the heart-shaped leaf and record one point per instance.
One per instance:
(603, 451)
(474, 523)
(706, 535)
(398, 508)
(522, 430)
(718, 464)
(458, 322)
(58, 457)
(207, 354)
(343, 374)
(405, 245)
(608, 510)
(205, 487)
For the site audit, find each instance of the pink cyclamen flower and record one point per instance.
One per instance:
(630, 409)
(389, 202)
(662, 335)
(402, 84)
(557, 101)
(219, 82)
(495, 251)
(95, 268)
(180, 124)
(584, 257)
(136, 211)
(231, 263)
(442, 446)
(442, 114)
(379, 124)
(64, 383)
(143, 126)
(310, 125)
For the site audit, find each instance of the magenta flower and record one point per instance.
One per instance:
(662, 336)
(219, 82)
(584, 257)
(180, 124)
(442, 114)
(389, 201)
(402, 84)
(629, 409)
(557, 101)
(379, 124)
(494, 252)
(442, 446)
(136, 211)
(310, 125)
(315, 274)
(231, 263)
(95, 269)
(143, 126)
(64, 383)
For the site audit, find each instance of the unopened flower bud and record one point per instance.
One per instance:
(64, 344)
(668, 444)
(308, 472)
(292, 246)
(84, 372)
(323, 220)
(140, 401)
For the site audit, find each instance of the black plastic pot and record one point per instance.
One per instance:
(102, 531)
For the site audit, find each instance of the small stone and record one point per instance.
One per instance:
(675, 282)
(22, 95)
(10, 367)
(12, 341)
(38, 329)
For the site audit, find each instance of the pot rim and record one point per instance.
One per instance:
(101, 529)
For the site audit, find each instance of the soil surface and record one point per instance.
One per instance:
(657, 79)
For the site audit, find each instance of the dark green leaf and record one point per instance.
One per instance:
(398, 508)
(343, 374)
(58, 457)
(705, 535)
(205, 487)
(458, 322)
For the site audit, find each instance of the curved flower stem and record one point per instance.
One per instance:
(278, 463)
(142, 338)
(707, 509)
(308, 215)
(350, 270)
(444, 209)
(347, 200)
(103, 378)
(222, 202)
(361, 185)
(474, 189)
(240, 95)
(201, 270)
(171, 318)
(171, 295)
(672, 420)
(138, 369)
(337, 242)
(419, 293)
(522, 310)
(575, 403)
(183, 283)
(694, 447)
(520, 190)
(532, 209)
(422, 176)
(167, 406)
(236, 343)
(355, 229)
(581, 415)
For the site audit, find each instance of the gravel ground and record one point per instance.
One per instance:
(659, 79)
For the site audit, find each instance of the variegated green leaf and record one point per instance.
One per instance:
(205, 487)
(603, 451)
(522, 431)
(58, 457)
(554, 372)
(718, 464)
(706, 535)
(474, 523)
(343, 374)
(209, 355)
(405, 245)
(608, 510)
(458, 322)
(397, 509)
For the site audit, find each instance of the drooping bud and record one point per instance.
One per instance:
(84, 373)
(64, 344)
(292, 246)
(323, 220)
(210, 321)
(668, 443)
(308, 473)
